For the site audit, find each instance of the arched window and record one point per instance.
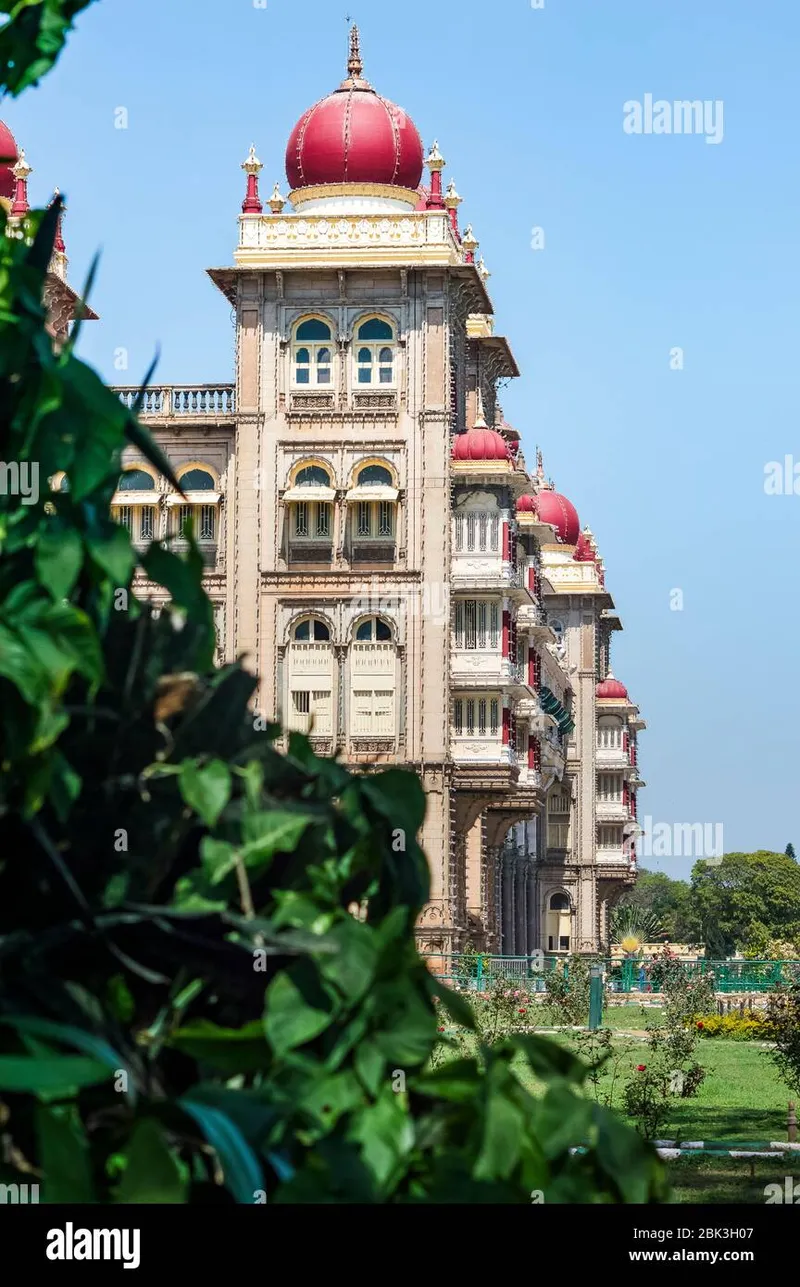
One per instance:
(375, 476)
(373, 504)
(136, 480)
(558, 919)
(133, 507)
(373, 680)
(311, 512)
(313, 476)
(312, 630)
(197, 480)
(312, 354)
(200, 506)
(309, 678)
(373, 630)
(375, 353)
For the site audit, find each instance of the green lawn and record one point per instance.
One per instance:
(741, 1100)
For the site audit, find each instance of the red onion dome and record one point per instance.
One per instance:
(480, 444)
(555, 509)
(611, 687)
(9, 155)
(526, 505)
(355, 136)
(583, 551)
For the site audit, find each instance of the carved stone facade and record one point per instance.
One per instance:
(386, 565)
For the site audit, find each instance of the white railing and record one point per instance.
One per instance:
(182, 400)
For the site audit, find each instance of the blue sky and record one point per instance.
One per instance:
(651, 243)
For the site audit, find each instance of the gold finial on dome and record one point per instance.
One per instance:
(435, 161)
(277, 201)
(22, 170)
(451, 197)
(251, 163)
(355, 63)
(470, 243)
(483, 270)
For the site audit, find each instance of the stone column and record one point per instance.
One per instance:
(509, 892)
(520, 902)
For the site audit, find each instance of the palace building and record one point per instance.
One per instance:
(407, 591)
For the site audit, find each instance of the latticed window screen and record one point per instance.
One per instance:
(364, 519)
(475, 717)
(477, 624)
(323, 524)
(477, 531)
(148, 522)
(207, 527)
(301, 519)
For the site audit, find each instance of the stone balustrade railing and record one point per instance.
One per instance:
(179, 400)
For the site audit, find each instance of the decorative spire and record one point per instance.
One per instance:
(480, 419)
(483, 270)
(540, 478)
(435, 163)
(452, 201)
(470, 243)
(58, 244)
(252, 168)
(22, 172)
(277, 201)
(355, 63)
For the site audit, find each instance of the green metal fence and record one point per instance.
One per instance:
(631, 975)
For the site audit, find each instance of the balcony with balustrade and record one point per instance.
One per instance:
(207, 403)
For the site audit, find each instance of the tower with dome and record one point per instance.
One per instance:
(63, 303)
(407, 591)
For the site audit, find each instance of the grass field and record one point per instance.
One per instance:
(742, 1101)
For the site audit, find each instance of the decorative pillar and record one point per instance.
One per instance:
(507, 932)
(520, 907)
(470, 243)
(340, 728)
(435, 163)
(506, 726)
(452, 201)
(22, 172)
(252, 168)
(506, 634)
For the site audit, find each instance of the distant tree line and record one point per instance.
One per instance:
(745, 905)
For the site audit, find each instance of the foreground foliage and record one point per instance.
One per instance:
(189, 1010)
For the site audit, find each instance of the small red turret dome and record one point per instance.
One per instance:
(611, 687)
(555, 509)
(583, 550)
(526, 505)
(355, 136)
(480, 443)
(9, 155)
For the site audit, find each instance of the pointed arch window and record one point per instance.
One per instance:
(312, 354)
(135, 505)
(373, 680)
(376, 354)
(373, 501)
(309, 692)
(199, 506)
(310, 503)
